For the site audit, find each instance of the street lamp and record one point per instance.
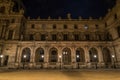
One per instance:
(78, 61)
(113, 57)
(95, 57)
(1, 56)
(60, 61)
(24, 57)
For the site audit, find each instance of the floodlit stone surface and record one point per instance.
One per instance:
(61, 75)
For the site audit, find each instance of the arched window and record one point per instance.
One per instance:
(53, 55)
(26, 53)
(93, 55)
(106, 56)
(80, 55)
(39, 55)
(66, 56)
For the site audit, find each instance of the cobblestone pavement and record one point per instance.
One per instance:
(60, 75)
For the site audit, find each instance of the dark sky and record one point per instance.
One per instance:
(55, 8)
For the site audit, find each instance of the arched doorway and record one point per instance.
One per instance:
(53, 56)
(93, 55)
(107, 57)
(25, 55)
(66, 56)
(80, 55)
(39, 56)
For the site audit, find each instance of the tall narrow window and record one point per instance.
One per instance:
(65, 37)
(87, 37)
(43, 37)
(31, 37)
(10, 35)
(76, 37)
(99, 36)
(54, 37)
(33, 26)
(53, 56)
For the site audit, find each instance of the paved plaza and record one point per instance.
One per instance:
(60, 75)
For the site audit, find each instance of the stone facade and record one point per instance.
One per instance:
(58, 43)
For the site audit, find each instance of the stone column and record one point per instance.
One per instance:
(73, 57)
(32, 57)
(19, 52)
(87, 56)
(59, 54)
(59, 57)
(46, 57)
(100, 57)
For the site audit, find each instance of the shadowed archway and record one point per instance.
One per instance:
(93, 53)
(107, 57)
(66, 56)
(80, 55)
(53, 56)
(26, 53)
(39, 55)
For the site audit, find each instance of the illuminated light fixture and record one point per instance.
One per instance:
(25, 56)
(42, 56)
(78, 56)
(1, 56)
(113, 56)
(60, 56)
(95, 56)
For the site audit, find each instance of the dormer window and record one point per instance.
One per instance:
(96, 26)
(65, 26)
(75, 26)
(32, 26)
(54, 26)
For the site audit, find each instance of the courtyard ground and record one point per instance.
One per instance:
(60, 75)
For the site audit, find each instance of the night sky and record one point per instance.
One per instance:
(56, 8)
